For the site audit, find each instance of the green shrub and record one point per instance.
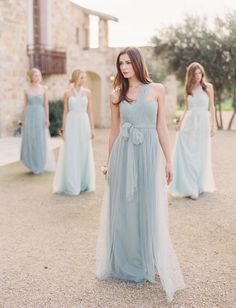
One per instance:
(55, 116)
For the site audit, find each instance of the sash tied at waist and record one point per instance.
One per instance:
(134, 136)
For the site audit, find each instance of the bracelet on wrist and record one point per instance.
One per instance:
(104, 169)
(60, 131)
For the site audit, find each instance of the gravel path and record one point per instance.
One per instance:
(48, 242)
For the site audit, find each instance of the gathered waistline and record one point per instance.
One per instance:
(134, 133)
(198, 110)
(77, 111)
(141, 126)
(35, 104)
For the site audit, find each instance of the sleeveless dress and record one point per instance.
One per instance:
(192, 152)
(134, 243)
(35, 148)
(75, 170)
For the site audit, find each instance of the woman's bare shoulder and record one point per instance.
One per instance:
(157, 86)
(114, 97)
(157, 90)
(86, 91)
(26, 90)
(209, 86)
(67, 92)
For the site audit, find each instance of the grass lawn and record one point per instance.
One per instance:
(226, 106)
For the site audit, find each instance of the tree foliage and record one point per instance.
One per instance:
(214, 48)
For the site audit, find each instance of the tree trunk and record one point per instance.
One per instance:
(234, 105)
(219, 118)
(231, 119)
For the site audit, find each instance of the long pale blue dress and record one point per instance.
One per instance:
(35, 148)
(75, 172)
(134, 243)
(192, 164)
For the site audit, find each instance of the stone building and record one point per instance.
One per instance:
(53, 36)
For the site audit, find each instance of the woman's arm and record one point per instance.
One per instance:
(24, 107)
(65, 110)
(163, 130)
(47, 123)
(115, 121)
(178, 126)
(90, 114)
(210, 91)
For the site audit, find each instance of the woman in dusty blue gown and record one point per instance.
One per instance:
(134, 243)
(35, 149)
(192, 152)
(75, 168)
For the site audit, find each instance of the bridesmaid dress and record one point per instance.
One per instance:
(35, 148)
(192, 164)
(134, 243)
(75, 172)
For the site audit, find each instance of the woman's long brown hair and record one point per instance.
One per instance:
(189, 79)
(121, 84)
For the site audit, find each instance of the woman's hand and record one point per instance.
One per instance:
(169, 173)
(47, 123)
(61, 133)
(93, 133)
(178, 126)
(213, 131)
(20, 123)
(104, 169)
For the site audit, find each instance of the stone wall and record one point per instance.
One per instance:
(94, 61)
(68, 32)
(14, 63)
(60, 33)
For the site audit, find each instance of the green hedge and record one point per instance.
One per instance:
(55, 116)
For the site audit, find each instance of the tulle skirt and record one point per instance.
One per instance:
(36, 153)
(192, 163)
(134, 243)
(75, 172)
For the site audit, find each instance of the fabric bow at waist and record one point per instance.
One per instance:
(133, 135)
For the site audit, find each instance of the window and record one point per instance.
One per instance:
(77, 36)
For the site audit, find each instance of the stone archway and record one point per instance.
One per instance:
(94, 84)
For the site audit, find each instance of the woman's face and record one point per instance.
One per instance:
(35, 77)
(197, 75)
(82, 79)
(126, 66)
